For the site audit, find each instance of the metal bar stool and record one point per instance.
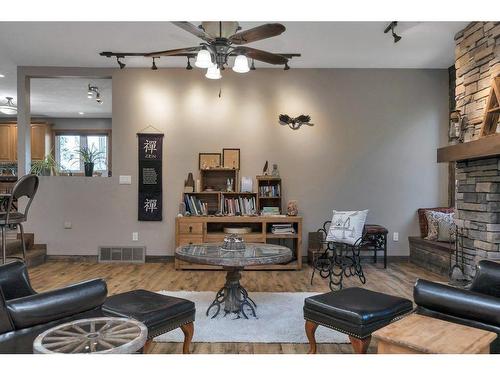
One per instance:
(26, 186)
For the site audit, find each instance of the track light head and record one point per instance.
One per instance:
(154, 67)
(120, 64)
(188, 66)
(98, 98)
(391, 28)
(287, 67)
(252, 67)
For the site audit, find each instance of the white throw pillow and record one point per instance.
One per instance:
(347, 226)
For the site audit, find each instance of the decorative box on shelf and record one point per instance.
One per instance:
(202, 229)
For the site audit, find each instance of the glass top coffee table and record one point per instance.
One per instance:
(232, 295)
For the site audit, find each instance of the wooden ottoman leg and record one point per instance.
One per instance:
(147, 346)
(360, 346)
(310, 331)
(188, 330)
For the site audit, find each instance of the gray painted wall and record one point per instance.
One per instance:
(81, 123)
(373, 146)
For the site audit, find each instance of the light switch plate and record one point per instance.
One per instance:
(135, 236)
(67, 225)
(125, 180)
(395, 236)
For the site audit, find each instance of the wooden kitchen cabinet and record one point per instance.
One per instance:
(40, 141)
(5, 143)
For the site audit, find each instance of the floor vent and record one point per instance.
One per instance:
(122, 254)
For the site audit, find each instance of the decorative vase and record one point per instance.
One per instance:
(89, 169)
(275, 172)
(292, 208)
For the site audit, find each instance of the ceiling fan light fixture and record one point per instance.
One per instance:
(252, 67)
(241, 64)
(8, 108)
(213, 72)
(203, 59)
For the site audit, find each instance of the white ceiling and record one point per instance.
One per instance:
(322, 45)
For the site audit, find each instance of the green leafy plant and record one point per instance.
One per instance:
(45, 166)
(90, 154)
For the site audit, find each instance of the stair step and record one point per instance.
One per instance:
(34, 257)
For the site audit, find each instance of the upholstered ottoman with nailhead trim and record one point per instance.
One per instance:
(356, 312)
(158, 312)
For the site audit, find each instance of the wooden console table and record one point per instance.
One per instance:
(209, 229)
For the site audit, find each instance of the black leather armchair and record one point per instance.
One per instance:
(24, 314)
(478, 306)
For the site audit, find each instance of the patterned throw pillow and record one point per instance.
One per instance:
(447, 231)
(347, 226)
(433, 219)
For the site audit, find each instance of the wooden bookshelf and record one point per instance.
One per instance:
(203, 229)
(269, 199)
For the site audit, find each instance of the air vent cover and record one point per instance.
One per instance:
(122, 254)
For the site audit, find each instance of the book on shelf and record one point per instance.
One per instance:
(269, 191)
(195, 206)
(239, 206)
(270, 211)
(282, 229)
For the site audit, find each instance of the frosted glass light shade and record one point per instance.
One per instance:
(241, 64)
(203, 59)
(8, 108)
(213, 72)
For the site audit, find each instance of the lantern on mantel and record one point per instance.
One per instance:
(458, 124)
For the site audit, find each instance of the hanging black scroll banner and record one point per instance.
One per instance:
(150, 176)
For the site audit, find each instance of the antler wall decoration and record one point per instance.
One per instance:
(295, 122)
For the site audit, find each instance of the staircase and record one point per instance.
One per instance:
(35, 253)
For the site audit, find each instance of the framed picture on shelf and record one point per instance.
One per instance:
(209, 160)
(231, 158)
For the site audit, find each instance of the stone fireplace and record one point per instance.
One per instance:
(477, 160)
(478, 209)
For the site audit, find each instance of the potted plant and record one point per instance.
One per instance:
(45, 166)
(89, 156)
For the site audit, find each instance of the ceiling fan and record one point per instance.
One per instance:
(220, 40)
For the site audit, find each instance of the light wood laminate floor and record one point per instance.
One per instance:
(397, 279)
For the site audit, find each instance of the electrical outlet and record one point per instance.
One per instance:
(135, 236)
(67, 225)
(395, 236)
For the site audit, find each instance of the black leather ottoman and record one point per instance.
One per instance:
(158, 312)
(356, 312)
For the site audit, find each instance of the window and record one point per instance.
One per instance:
(68, 142)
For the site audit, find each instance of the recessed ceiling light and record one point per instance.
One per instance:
(2, 76)
(81, 113)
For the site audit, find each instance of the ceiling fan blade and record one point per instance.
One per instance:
(195, 30)
(173, 52)
(267, 30)
(257, 54)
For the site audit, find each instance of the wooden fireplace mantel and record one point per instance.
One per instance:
(481, 148)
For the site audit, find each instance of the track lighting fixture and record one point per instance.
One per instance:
(188, 66)
(287, 67)
(252, 67)
(94, 90)
(154, 67)
(391, 28)
(120, 64)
